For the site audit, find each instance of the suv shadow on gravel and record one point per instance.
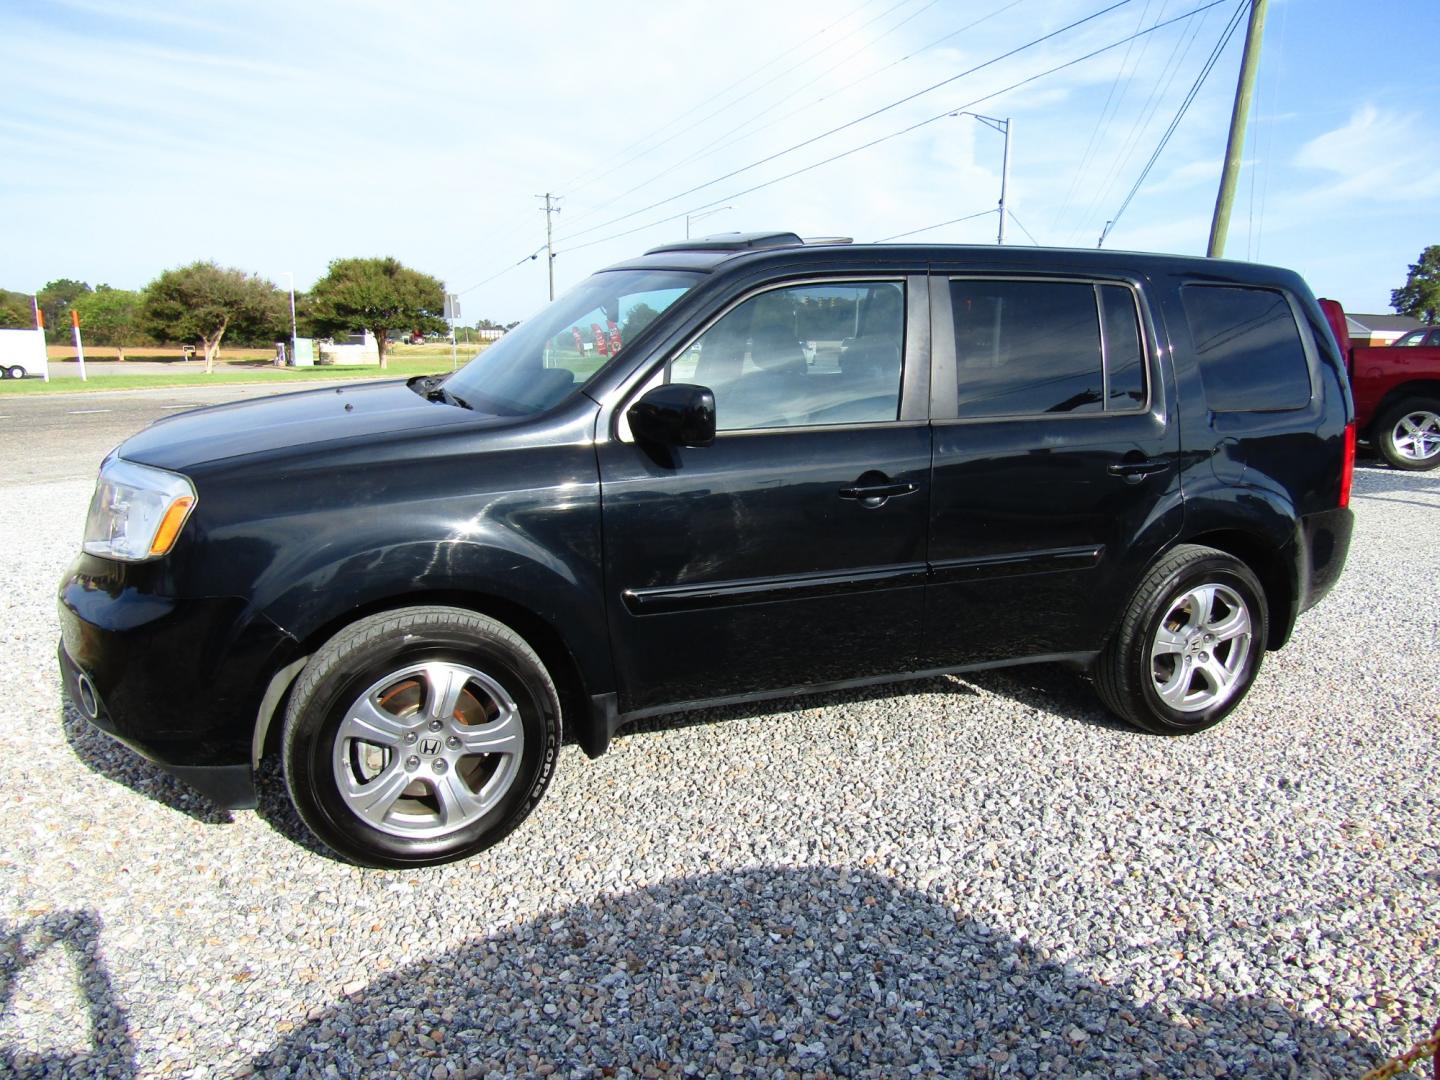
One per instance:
(755, 969)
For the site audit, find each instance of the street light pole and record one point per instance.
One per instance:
(698, 214)
(1005, 127)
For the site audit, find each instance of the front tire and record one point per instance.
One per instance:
(420, 736)
(1189, 645)
(1407, 434)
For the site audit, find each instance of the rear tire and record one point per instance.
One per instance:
(1407, 434)
(15, 371)
(1189, 645)
(420, 736)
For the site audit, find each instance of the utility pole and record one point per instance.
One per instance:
(550, 208)
(1235, 146)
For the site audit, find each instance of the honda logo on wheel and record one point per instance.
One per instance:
(429, 747)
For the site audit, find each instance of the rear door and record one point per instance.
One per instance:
(791, 551)
(1056, 473)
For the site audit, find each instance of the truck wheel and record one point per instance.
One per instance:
(1408, 434)
(1189, 645)
(420, 736)
(15, 371)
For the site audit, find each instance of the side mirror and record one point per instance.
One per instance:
(675, 414)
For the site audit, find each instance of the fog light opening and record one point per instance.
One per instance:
(88, 701)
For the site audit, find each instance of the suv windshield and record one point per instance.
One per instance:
(542, 360)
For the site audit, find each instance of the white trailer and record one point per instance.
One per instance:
(22, 353)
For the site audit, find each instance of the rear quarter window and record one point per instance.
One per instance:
(1248, 345)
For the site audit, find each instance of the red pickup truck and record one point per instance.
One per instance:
(1397, 396)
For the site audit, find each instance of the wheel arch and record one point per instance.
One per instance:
(1268, 563)
(1416, 388)
(540, 634)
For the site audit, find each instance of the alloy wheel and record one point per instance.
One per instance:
(1200, 647)
(428, 749)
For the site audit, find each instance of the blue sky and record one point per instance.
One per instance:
(278, 136)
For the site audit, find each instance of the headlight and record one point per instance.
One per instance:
(137, 511)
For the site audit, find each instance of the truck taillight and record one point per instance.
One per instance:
(1347, 469)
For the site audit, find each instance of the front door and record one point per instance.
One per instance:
(792, 550)
(1056, 475)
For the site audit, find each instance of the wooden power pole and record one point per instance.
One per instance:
(1235, 146)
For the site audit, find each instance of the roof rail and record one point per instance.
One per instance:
(734, 241)
(821, 241)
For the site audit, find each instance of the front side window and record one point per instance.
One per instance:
(542, 360)
(1030, 348)
(1249, 348)
(804, 355)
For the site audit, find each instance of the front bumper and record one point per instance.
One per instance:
(177, 681)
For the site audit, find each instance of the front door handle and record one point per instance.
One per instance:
(873, 492)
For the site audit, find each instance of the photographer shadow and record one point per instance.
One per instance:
(110, 1050)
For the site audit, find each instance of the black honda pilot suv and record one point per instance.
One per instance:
(735, 468)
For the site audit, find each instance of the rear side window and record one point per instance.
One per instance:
(1028, 348)
(1251, 356)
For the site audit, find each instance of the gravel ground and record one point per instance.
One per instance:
(979, 876)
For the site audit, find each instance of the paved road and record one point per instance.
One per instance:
(65, 436)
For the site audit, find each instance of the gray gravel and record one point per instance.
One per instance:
(979, 876)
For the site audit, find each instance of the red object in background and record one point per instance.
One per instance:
(614, 339)
(602, 344)
(579, 341)
(1380, 375)
(75, 318)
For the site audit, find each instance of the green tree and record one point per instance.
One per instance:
(56, 299)
(200, 302)
(1420, 298)
(110, 317)
(379, 295)
(636, 319)
(15, 311)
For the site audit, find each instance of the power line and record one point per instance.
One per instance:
(1180, 113)
(719, 142)
(1026, 231)
(1169, 71)
(748, 94)
(851, 123)
(501, 273)
(585, 179)
(937, 225)
(904, 130)
(1102, 122)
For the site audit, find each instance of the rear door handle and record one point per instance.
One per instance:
(874, 495)
(1138, 468)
